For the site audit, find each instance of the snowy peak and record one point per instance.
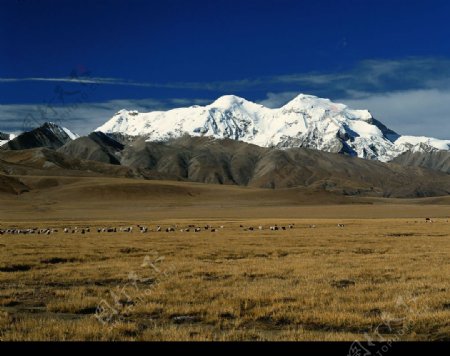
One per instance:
(305, 121)
(228, 101)
(59, 130)
(304, 102)
(48, 135)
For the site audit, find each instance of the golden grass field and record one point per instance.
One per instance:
(385, 274)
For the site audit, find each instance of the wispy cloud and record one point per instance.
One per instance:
(83, 80)
(370, 76)
(37, 79)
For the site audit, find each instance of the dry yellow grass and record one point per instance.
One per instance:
(384, 273)
(384, 277)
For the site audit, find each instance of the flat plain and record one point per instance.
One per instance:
(348, 269)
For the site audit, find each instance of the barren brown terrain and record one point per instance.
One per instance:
(383, 273)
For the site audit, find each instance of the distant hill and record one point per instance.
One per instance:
(48, 162)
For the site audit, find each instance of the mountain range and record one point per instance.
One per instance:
(224, 161)
(306, 121)
(340, 151)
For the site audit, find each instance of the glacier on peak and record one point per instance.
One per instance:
(305, 121)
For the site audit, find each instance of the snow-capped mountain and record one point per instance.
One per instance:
(48, 135)
(306, 121)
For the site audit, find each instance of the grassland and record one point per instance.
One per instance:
(384, 274)
(323, 283)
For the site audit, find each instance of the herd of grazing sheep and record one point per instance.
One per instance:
(141, 228)
(145, 229)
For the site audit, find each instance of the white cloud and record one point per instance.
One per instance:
(414, 112)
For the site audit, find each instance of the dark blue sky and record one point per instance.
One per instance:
(157, 51)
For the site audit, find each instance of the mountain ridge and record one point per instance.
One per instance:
(306, 121)
(231, 162)
(49, 135)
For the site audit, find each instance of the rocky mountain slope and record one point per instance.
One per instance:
(436, 160)
(209, 160)
(96, 146)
